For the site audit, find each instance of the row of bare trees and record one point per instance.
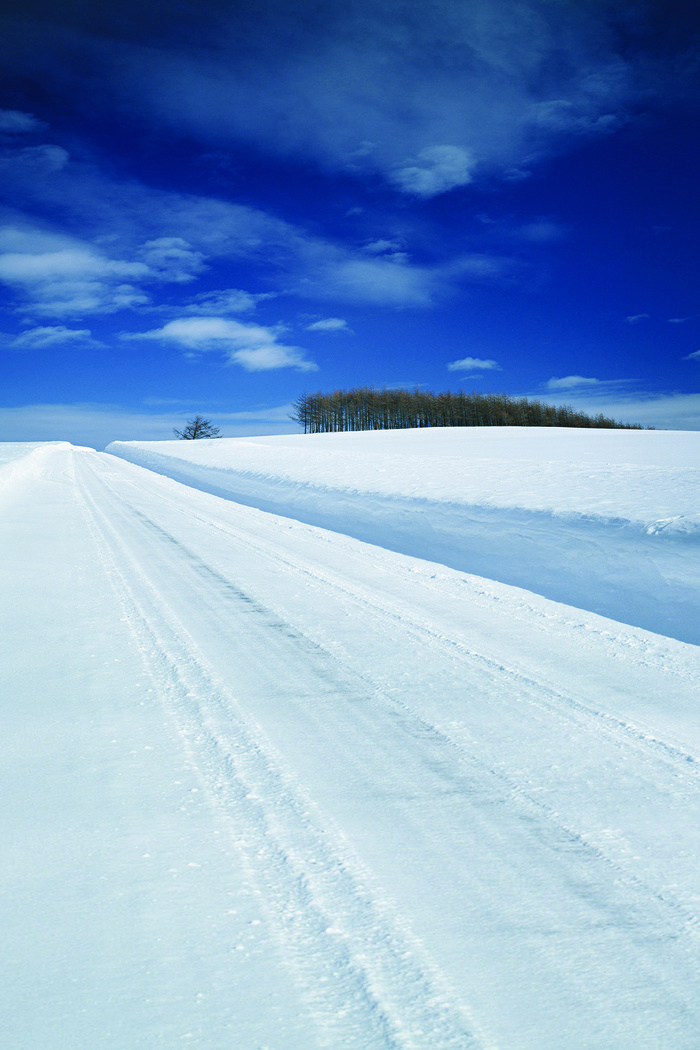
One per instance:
(365, 408)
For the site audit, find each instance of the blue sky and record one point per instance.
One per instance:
(213, 206)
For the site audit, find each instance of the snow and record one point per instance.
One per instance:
(270, 783)
(598, 519)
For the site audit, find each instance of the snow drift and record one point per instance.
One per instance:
(604, 520)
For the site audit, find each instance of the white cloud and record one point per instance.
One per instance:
(41, 338)
(13, 122)
(27, 268)
(33, 162)
(254, 347)
(473, 364)
(324, 271)
(695, 356)
(635, 318)
(226, 301)
(571, 382)
(541, 231)
(478, 267)
(436, 170)
(391, 250)
(568, 116)
(329, 324)
(264, 358)
(172, 259)
(379, 281)
(58, 275)
(203, 333)
(382, 246)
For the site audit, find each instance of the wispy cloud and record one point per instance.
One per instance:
(171, 233)
(382, 246)
(14, 122)
(571, 382)
(636, 318)
(435, 170)
(254, 347)
(31, 163)
(473, 364)
(541, 231)
(695, 356)
(54, 336)
(429, 96)
(172, 259)
(226, 301)
(329, 324)
(327, 272)
(134, 237)
(56, 275)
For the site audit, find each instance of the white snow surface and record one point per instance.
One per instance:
(599, 519)
(299, 775)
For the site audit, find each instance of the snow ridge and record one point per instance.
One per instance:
(619, 539)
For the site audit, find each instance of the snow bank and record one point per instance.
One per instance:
(18, 459)
(604, 520)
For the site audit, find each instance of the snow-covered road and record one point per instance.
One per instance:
(268, 786)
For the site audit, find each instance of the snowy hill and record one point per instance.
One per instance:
(290, 762)
(607, 521)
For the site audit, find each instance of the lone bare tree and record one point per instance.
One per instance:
(199, 427)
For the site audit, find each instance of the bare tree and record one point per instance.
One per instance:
(199, 427)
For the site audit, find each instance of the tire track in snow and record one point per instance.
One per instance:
(559, 701)
(366, 978)
(575, 851)
(655, 759)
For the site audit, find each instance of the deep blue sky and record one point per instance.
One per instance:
(214, 206)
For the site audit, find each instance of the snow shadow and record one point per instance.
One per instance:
(611, 567)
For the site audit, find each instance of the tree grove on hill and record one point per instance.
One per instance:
(364, 408)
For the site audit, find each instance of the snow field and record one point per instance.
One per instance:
(268, 785)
